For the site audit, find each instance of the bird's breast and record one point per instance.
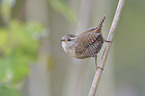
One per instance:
(69, 50)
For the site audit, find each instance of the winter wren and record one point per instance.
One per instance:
(85, 45)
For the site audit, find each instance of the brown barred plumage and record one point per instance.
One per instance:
(86, 45)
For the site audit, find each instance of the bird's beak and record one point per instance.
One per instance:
(62, 40)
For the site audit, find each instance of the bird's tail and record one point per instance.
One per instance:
(102, 20)
(99, 27)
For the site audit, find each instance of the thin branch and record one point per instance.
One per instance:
(106, 49)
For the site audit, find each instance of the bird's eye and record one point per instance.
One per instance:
(69, 39)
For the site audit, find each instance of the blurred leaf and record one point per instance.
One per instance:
(4, 91)
(64, 9)
(12, 70)
(19, 46)
(3, 35)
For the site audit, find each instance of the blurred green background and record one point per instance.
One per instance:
(33, 63)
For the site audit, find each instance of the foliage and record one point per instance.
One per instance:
(5, 91)
(19, 44)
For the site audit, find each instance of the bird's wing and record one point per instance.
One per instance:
(85, 40)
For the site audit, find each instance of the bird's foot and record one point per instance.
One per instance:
(107, 41)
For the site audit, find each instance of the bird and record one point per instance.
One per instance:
(85, 45)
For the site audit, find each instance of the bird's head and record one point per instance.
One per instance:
(68, 40)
